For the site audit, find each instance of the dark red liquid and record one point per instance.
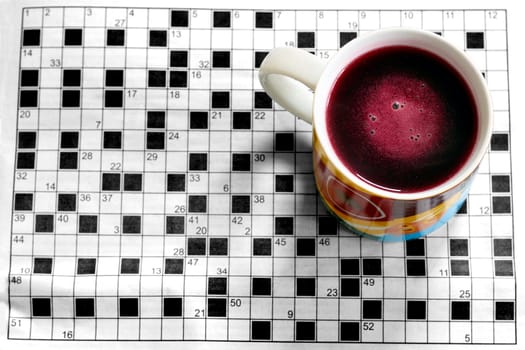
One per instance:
(402, 119)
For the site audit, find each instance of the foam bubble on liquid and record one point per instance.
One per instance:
(372, 117)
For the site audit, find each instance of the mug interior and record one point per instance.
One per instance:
(418, 39)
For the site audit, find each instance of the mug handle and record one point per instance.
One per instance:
(290, 75)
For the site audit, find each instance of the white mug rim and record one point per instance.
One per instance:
(415, 38)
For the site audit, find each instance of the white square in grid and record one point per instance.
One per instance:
(505, 333)
(285, 38)
(284, 19)
(261, 266)
(66, 181)
(306, 20)
(432, 20)
(459, 331)
(30, 58)
(497, 80)
(474, 20)
(45, 202)
(500, 162)
(220, 79)
(453, 20)
(305, 267)
(172, 329)
(62, 306)
(131, 203)
(391, 18)
(137, 18)
(480, 184)
(495, 19)
(221, 39)
(85, 286)
(49, 98)
(242, 59)
(70, 119)
(459, 225)
(502, 225)
(128, 285)
(416, 287)
(156, 98)
(478, 58)
(136, 38)
(305, 308)
(497, 60)
(89, 182)
(283, 330)
(106, 329)
(496, 40)
(128, 329)
(86, 245)
(216, 329)
(394, 287)
(328, 309)
(504, 288)
(150, 329)
(115, 57)
(328, 266)
(438, 310)
(151, 285)
(394, 309)
(411, 18)
(32, 17)
(157, 58)
(260, 308)
(116, 17)
(199, 99)
(200, 39)
(93, 57)
(481, 268)
(437, 267)
(500, 100)
(305, 204)
(482, 333)
(242, 39)
(50, 78)
(136, 58)
(350, 309)
(53, 17)
(40, 328)
(482, 310)
(73, 16)
(158, 18)
(133, 141)
(263, 39)
(283, 286)
(455, 37)
(108, 265)
(52, 37)
(241, 99)
(63, 227)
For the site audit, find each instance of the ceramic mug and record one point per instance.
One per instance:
(303, 84)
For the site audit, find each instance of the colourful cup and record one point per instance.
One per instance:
(301, 83)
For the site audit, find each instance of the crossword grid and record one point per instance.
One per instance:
(160, 194)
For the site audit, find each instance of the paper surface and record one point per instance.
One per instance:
(154, 195)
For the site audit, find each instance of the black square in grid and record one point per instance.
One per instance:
(221, 19)
(178, 79)
(416, 267)
(44, 223)
(67, 202)
(71, 98)
(263, 19)
(172, 307)
(216, 307)
(110, 182)
(240, 204)
(220, 59)
(259, 58)
(175, 224)
(502, 247)
(306, 39)
(372, 309)
(198, 162)
(71, 77)
(220, 99)
(349, 267)
(197, 204)
(459, 268)
(284, 183)
(305, 246)
(29, 77)
(261, 330)
(26, 139)
(503, 268)
(114, 77)
(305, 286)
(173, 266)
(87, 224)
(346, 37)
(68, 160)
(155, 140)
(86, 266)
(500, 183)
(42, 265)
(132, 182)
(217, 285)
(262, 100)
(501, 205)
(84, 307)
(463, 208)
(372, 267)
(41, 307)
(262, 246)
(218, 246)
(304, 330)
(72, 37)
(176, 182)
(158, 38)
(178, 59)
(458, 247)
(179, 18)
(242, 120)
(262, 286)
(475, 40)
(156, 78)
(196, 246)
(284, 142)
(499, 142)
(284, 225)
(25, 160)
(241, 162)
(31, 37)
(69, 139)
(113, 98)
(416, 309)
(459, 310)
(198, 120)
(115, 37)
(350, 287)
(156, 119)
(504, 310)
(350, 331)
(23, 201)
(128, 307)
(129, 265)
(29, 98)
(131, 224)
(415, 247)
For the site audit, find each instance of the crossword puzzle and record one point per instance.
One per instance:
(160, 194)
